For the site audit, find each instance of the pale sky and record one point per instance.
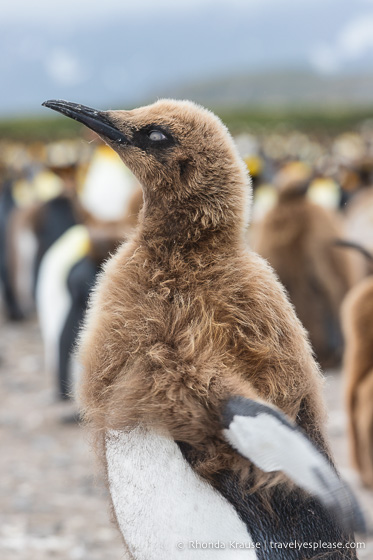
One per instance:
(57, 11)
(353, 40)
(80, 48)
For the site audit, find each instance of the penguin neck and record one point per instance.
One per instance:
(185, 228)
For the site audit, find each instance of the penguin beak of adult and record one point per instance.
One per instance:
(98, 121)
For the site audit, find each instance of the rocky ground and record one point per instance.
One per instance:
(52, 503)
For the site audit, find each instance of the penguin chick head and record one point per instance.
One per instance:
(181, 153)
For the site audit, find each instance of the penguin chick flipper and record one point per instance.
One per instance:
(271, 441)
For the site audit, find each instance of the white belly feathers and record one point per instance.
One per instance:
(164, 509)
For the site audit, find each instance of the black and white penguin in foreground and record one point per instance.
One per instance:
(198, 381)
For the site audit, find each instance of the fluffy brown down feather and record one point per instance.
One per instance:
(184, 315)
(357, 320)
(296, 238)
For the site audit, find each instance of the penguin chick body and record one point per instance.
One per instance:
(185, 317)
(357, 322)
(296, 237)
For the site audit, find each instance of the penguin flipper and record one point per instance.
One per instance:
(270, 440)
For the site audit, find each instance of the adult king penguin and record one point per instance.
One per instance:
(198, 378)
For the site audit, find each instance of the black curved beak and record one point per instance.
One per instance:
(98, 121)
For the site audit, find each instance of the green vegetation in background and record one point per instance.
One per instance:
(39, 129)
(238, 119)
(328, 122)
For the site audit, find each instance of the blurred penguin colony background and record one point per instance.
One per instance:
(66, 205)
(292, 81)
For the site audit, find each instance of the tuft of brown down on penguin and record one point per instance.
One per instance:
(357, 322)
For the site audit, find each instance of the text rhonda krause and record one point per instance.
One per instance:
(222, 545)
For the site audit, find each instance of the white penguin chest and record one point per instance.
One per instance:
(163, 508)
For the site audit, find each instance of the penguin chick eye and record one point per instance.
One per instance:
(156, 135)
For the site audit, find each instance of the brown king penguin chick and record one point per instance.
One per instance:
(193, 357)
(357, 323)
(358, 224)
(296, 237)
